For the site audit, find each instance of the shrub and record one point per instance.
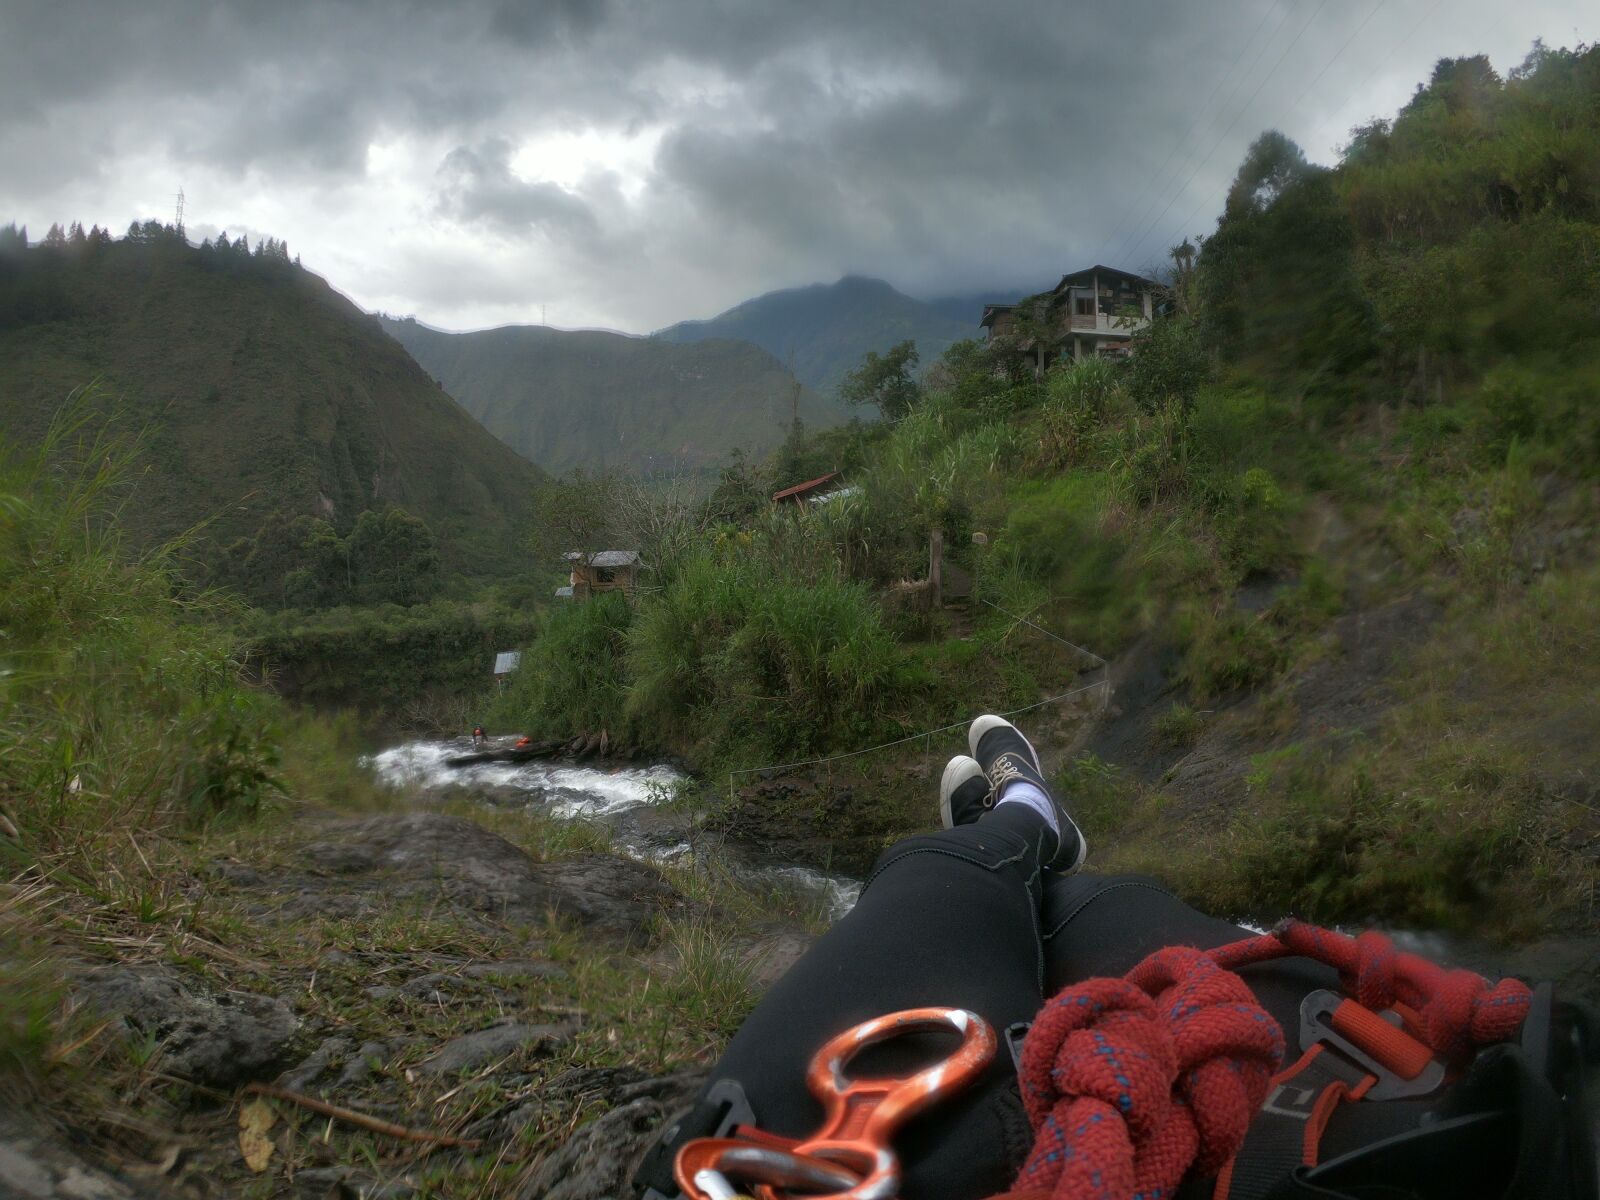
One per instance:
(730, 644)
(571, 678)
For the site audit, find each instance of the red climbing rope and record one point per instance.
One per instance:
(1133, 1083)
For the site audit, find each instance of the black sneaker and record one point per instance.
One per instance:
(1005, 756)
(964, 793)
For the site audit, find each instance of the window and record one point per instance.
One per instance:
(604, 575)
(1083, 306)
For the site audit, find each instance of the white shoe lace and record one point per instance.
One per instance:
(1002, 772)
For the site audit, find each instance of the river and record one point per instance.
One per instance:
(631, 803)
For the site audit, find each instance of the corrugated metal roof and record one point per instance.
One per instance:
(564, 593)
(507, 661)
(604, 558)
(827, 497)
(800, 488)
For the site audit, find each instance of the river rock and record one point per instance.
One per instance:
(477, 1049)
(332, 1051)
(38, 1163)
(438, 856)
(598, 1161)
(219, 1041)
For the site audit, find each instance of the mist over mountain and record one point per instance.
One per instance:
(967, 307)
(821, 331)
(258, 390)
(591, 399)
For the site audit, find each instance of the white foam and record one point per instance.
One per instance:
(571, 791)
(577, 793)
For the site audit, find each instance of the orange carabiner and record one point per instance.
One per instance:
(860, 1116)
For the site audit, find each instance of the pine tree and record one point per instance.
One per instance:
(76, 236)
(56, 239)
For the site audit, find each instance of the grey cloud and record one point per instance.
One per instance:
(946, 146)
(480, 186)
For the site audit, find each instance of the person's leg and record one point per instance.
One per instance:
(949, 918)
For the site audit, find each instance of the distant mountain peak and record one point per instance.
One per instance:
(823, 330)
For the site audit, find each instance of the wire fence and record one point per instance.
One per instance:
(1103, 684)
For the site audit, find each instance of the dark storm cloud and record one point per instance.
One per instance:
(944, 145)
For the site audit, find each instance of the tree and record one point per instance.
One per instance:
(75, 236)
(392, 559)
(56, 239)
(1169, 365)
(12, 239)
(885, 380)
(1278, 280)
(1034, 328)
(1182, 288)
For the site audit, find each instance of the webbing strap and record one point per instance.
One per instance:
(1287, 1130)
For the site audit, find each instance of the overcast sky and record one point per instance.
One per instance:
(630, 163)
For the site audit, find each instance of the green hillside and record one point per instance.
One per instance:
(824, 330)
(261, 392)
(586, 398)
(1332, 527)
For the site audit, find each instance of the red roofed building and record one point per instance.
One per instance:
(801, 492)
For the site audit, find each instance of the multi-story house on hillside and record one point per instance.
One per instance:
(1093, 311)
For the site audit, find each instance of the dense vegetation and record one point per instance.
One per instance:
(1372, 397)
(1335, 522)
(263, 394)
(822, 331)
(423, 668)
(591, 400)
(141, 777)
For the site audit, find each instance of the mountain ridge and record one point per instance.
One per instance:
(822, 330)
(595, 399)
(261, 391)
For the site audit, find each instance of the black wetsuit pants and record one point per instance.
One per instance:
(966, 918)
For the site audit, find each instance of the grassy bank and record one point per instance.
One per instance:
(155, 813)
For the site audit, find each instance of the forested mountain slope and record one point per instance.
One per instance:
(587, 398)
(259, 389)
(824, 330)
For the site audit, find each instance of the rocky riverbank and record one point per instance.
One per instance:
(457, 1001)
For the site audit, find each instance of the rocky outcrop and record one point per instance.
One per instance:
(598, 1161)
(217, 1040)
(457, 861)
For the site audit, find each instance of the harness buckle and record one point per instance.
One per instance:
(1402, 1066)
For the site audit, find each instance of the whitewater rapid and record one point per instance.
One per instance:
(589, 794)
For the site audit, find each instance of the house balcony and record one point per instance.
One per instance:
(1104, 323)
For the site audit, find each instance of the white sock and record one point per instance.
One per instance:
(1020, 791)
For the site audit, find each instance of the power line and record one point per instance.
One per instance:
(1213, 118)
(1103, 682)
(1312, 85)
(1215, 196)
(1384, 62)
(833, 758)
(1218, 143)
(1151, 185)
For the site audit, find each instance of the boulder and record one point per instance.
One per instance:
(219, 1040)
(478, 1049)
(464, 864)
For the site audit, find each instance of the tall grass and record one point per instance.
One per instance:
(121, 710)
(733, 651)
(571, 679)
